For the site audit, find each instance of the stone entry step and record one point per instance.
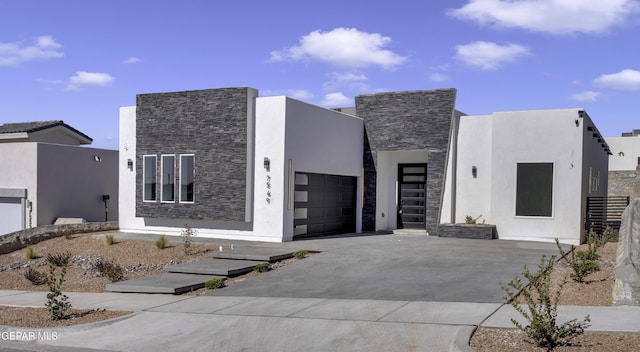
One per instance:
(223, 267)
(263, 254)
(162, 283)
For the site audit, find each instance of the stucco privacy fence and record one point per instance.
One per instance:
(20, 239)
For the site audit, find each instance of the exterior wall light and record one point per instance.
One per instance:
(130, 164)
(97, 159)
(105, 199)
(474, 171)
(267, 164)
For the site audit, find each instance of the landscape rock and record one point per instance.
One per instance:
(626, 286)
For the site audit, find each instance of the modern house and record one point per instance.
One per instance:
(46, 173)
(235, 165)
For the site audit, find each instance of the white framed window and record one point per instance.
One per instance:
(168, 177)
(149, 165)
(187, 181)
(534, 189)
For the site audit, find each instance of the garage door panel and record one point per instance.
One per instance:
(10, 215)
(324, 204)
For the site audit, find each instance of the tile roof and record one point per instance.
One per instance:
(29, 127)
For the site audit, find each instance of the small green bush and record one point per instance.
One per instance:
(301, 254)
(581, 267)
(110, 239)
(57, 302)
(30, 253)
(109, 269)
(35, 277)
(59, 259)
(214, 284)
(541, 309)
(162, 242)
(188, 235)
(262, 267)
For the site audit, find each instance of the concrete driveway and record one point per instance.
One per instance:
(394, 267)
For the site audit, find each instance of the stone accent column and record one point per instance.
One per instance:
(626, 286)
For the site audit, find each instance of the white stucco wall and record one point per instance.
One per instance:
(473, 194)
(626, 151)
(496, 143)
(538, 136)
(18, 170)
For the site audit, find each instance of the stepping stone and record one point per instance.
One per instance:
(224, 267)
(162, 283)
(255, 253)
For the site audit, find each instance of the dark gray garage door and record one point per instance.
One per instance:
(324, 205)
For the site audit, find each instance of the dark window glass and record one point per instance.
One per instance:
(534, 189)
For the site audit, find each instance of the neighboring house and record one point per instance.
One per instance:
(234, 165)
(46, 174)
(624, 165)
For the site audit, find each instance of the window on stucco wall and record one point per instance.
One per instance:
(534, 189)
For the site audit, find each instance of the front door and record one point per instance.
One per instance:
(412, 195)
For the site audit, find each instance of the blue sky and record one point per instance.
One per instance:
(79, 61)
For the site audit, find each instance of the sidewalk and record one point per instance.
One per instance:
(199, 323)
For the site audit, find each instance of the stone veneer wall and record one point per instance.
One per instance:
(212, 125)
(624, 183)
(407, 121)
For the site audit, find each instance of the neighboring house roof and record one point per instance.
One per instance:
(22, 130)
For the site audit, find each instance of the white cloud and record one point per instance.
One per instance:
(132, 60)
(350, 80)
(489, 55)
(300, 94)
(43, 48)
(438, 77)
(624, 80)
(549, 16)
(342, 47)
(586, 96)
(82, 79)
(336, 100)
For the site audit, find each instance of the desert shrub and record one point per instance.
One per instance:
(594, 242)
(57, 302)
(109, 269)
(110, 239)
(301, 254)
(30, 253)
(35, 277)
(579, 263)
(188, 235)
(541, 307)
(214, 284)
(162, 242)
(471, 220)
(59, 259)
(262, 267)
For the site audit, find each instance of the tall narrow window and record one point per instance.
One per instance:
(168, 178)
(187, 173)
(534, 189)
(149, 177)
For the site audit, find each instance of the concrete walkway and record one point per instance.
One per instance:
(293, 311)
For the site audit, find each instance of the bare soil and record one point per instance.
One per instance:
(596, 290)
(137, 258)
